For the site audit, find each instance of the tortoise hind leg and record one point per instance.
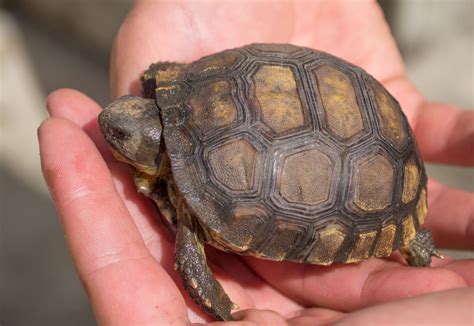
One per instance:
(198, 279)
(419, 250)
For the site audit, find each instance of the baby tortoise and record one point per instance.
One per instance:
(275, 151)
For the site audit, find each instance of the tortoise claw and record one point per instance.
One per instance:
(420, 249)
(437, 254)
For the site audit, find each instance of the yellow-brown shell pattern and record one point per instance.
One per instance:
(288, 153)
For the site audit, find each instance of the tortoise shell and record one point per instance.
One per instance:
(288, 153)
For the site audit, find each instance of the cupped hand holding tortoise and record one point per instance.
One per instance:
(124, 255)
(274, 151)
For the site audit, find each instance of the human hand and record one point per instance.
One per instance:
(124, 256)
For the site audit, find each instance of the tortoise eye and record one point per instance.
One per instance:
(119, 134)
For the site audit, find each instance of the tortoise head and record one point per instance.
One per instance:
(132, 127)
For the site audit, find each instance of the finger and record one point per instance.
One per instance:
(260, 317)
(304, 317)
(229, 323)
(124, 282)
(315, 316)
(73, 105)
(346, 287)
(444, 133)
(463, 268)
(452, 307)
(450, 216)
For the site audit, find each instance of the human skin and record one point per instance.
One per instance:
(124, 255)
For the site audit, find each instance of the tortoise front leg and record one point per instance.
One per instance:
(419, 250)
(197, 276)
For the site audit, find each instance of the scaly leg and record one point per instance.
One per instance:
(197, 276)
(419, 251)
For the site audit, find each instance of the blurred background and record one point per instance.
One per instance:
(49, 44)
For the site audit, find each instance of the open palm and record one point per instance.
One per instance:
(124, 255)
